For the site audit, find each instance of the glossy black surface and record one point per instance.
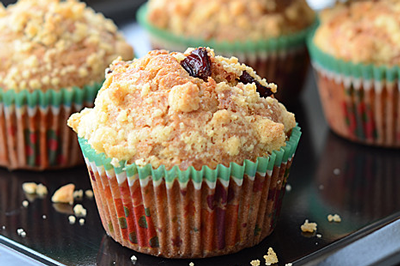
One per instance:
(329, 176)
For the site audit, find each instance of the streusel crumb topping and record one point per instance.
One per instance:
(151, 110)
(362, 32)
(231, 20)
(53, 44)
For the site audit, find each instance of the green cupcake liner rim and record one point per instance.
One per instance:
(262, 164)
(348, 68)
(265, 45)
(50, 97)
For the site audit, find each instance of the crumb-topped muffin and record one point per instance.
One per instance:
(356, 53)
(267, 35)
(191, 130)
(231, 20)
(53, 58)
(153, 111)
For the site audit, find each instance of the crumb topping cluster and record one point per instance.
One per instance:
(231, 20)
(53, 44)
(362, 32)
(150, 110)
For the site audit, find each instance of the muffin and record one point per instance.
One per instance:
(52, 64)
(185, 158)
(268, 35)
(355, 52)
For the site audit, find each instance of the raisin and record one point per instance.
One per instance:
(198, 64)
(246, 78)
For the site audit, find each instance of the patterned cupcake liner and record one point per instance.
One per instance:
(192, 213)
(361, 102)
(33, 130)
(283, 60)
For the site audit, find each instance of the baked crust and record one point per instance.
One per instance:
(361, 32)
(53, 44)
(152, 111)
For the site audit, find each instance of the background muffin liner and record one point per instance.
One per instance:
(191, 213)
(361, 102)
(33, 127)
(283, 60)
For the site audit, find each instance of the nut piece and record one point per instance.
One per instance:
(71, 219)
(64, 194)
(41, 190)
(29, 187)
(89, 193)
(271, 257)
(334, 218)
(79, 210)
(255, 263)
(308, 227)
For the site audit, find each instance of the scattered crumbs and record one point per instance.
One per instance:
(334, 218)
(71, 219)
(41, 190)
(316, 243)
(29, 187)
(191, 264)
(271, 257)
(308, 227)
(255, 263)
(288, 264)
(44, 216)
(4, 227)
(21, 232)
(81, 221)
(336, 171)
(78, 194)
(64, 194)
(134, 260)
(25, 203)
(319, 235)
(89, 193)
(288, 187)
(79, 210)
(321, 187)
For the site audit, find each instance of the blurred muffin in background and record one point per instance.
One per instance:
(52, 63)
(267, 35)
(356, 54)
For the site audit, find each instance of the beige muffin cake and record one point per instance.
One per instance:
(355, 52)
(185, 158)
(52, 63)
(268, 35)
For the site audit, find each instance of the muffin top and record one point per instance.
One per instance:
(238, 20)
(53, 44)
(185, 109)
(361, 32)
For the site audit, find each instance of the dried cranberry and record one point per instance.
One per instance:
(198, 64)
(246, 78)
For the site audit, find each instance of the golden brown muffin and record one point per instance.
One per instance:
(238, 20)
(362, 32)
(153, 111)
(52, 44)
(185, 158)
(355, 51)
(52, 60)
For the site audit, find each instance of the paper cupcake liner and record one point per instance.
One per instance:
(361, 102)
(33, 130)
(191, 213)
(283, 60)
